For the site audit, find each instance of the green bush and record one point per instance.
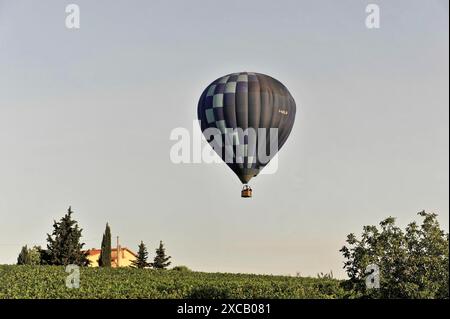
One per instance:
(181, 268)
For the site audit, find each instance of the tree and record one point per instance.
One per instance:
(24, 258)
(161, 261)
(105, 254)
(45, 257)
(29, 256)
(412, 263)
(64, 246)
(34, 255)
(141, 259)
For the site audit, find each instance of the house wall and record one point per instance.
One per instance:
(93, 260)
(126, 258)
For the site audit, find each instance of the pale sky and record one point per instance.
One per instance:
(86, 115)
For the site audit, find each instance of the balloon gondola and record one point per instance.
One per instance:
(246, 191)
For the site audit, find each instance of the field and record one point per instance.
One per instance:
(50, 282)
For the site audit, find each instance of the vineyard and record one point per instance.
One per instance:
(50, 282)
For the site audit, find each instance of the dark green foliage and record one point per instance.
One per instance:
(45, 257)
(23, 258)
(412, 263)
(210, 292)
(105, 254)
(161, 261)
(64, 245)
(141, 259)
(181, 268)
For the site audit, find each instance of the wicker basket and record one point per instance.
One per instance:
(246, 192)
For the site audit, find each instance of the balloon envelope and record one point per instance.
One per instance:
(241, 108)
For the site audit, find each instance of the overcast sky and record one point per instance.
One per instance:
(86, 115)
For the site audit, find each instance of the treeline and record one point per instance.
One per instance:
(64, 247)
(385, 261)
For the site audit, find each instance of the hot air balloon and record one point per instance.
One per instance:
(239, 115)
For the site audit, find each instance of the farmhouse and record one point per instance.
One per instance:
(121, 259)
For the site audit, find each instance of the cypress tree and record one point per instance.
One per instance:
(24, 258)
(161, 261)
(105, 254)
(141, 259)
(64, 246)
